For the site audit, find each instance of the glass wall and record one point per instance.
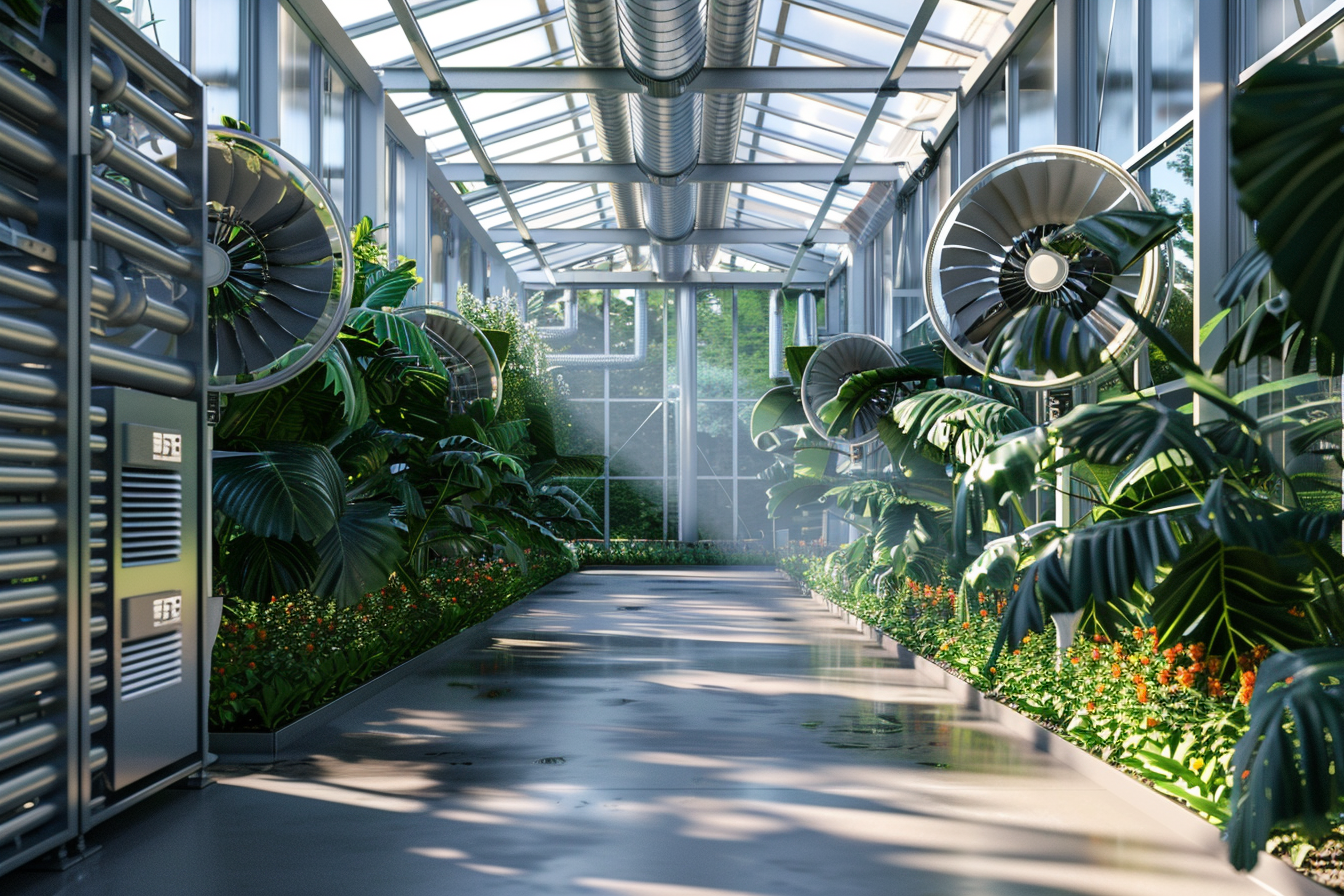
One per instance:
(220, 58)
(296, 82)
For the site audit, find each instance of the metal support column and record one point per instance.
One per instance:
(1212, 187)
(688, 525)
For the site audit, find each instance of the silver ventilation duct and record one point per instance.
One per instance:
(569, 328)
(731, 36)
(777, 371)
(616, 362)
(805, 327)
(592, 25)
(662, 43)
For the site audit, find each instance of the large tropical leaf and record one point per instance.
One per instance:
(1007, 471)
(358, 554)
(284, 491)
(1124, 236)
(1231, 599)
(1243, 520)
(499, 340)
(1288, 768)
(957, 425)
(776, 408)
(794, 493)
(1244, 277)
(401, 332)
(795, 359)
(866, 497)
(258, 568)
(1105, 560)
(1044, 585)
(869, 389)
(1047, 341)
(385, 288)
(1130, 431)
(1288, 165)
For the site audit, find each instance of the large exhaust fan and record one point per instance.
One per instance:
(990, 259)
(275, 266)
(472, 365)
(834, 363)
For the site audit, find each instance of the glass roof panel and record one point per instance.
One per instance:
(555, 127)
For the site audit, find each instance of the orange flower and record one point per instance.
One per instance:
(310, 648)
(1115, 670)
(1143, 693)
(1164, 676)
(1143, 660)
(1096, 654)
(984, 612)
(1197, 651)
(1091, 706)
(1215, 688)
(1074, 660)
(1185, 677)
(1150, 722)
(1260, 653)
(965, 625)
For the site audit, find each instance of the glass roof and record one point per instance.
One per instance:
(557, 127)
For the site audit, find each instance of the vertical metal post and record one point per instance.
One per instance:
(264, 98)
(1070, 84)
(968, 138)
(1013, 107)
(688, 524)
(1212, 188)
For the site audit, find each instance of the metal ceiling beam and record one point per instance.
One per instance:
(648, 279)
(434, 75)
(619, 173)
(510, 133)
(494, 35)
(899, 66)
(750, 79)
(736, 236)
(539, 61)
(389, 20)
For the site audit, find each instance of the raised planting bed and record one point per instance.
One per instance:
(1274, 875)
(282, 669)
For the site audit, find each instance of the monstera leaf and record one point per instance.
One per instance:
(284, 490)
(401, 332)
(359, 553)
(1287, 766)
(777, 408)
(1288, 152)
(261, 568)
(1124, 236)
(866, 389)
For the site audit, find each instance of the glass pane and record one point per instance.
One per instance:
(1173, 62)
(1173, 191)
(584, 433)
(749, 460)
(752, 522)
(714, 439)
(218, 46)
(296, 114)
(159, 23)
(594, 491)
(645, 381)
(636, 438)
(1115, 78)
(714, 344)
(998, 119)
(591, 340)
(1036, 85)
(753, 342)
(636, 508)
(715, 497)
(333, 135)
(440, 238)
(1277, 20)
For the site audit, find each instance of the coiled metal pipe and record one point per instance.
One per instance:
(731, 27)
(596, 36)
(616, 362)
(662, 43)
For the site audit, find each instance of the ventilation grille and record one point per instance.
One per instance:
(151, 517)
(151, 665)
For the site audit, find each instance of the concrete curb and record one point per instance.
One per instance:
(1274, 875)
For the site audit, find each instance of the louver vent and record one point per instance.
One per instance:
(150, 665)
(151, 517)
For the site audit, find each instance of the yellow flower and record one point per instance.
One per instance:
(1196, 764)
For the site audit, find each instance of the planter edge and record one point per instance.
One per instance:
(266, 746)
(1271, 873)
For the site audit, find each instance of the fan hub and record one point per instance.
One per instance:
(1046, 270)
(217, 265)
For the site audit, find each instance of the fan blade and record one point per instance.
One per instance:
(311, 277)
(257, 356)
(293, 204)
(278, 340)
(219, 172)
(295, 322)
(309, 304)
(271, 186)
(245, 180)
(228, 355)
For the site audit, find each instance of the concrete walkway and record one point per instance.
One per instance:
(685, 732)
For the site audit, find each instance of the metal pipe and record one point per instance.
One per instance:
(663, 47)
(28, 388)
(29, 785)
(617, 362)
(26, 152)
(142, 248)
(570, 328)
(153, 78)
(777, 371)
(27, 97)
(731, 27)
(805, 327)
(28, 448)
(23, 335)
(142, 170)
(28, 600)
(28, 639)
(136, 210)
(12, 205)
(688, 524)
(122, 367)
(28, 742)
(596, 37)
(28, 287)
(112, 89)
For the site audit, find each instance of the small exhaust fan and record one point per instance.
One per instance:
(275, 264)
(989, 260)
(472, 365)
(832, 364)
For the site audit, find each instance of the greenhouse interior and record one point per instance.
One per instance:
(671, 447)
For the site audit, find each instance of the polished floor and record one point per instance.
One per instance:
(694, 732)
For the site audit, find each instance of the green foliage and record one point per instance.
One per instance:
(277, 660)
(672, 553)
(1123, 236)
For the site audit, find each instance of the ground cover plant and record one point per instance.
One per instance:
(277, 660)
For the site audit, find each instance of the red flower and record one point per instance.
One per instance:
(1164, 676)
(1096, 654)
(1197, 651)
(1186, 677)
(1143, 693)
